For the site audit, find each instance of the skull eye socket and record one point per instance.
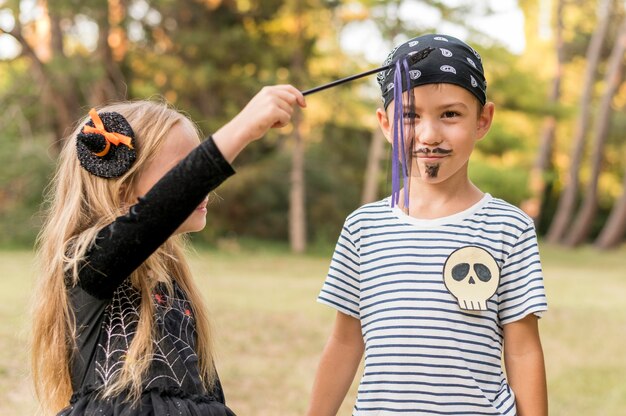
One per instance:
(483, 272)
(460, 271)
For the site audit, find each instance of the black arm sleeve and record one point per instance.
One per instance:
(122, 246)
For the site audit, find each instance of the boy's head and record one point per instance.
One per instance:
(434, 110)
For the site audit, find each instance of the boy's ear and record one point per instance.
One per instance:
(485, 118)
(383, 122)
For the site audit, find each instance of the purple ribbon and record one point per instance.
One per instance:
(398, 158)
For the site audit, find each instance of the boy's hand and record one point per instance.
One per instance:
(272, 107)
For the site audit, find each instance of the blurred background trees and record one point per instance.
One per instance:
(556, 149)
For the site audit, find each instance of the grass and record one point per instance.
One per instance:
(270, 331)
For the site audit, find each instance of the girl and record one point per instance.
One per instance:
(119, 326)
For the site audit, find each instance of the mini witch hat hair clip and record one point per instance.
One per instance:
(105, 145)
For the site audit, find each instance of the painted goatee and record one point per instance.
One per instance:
(432, 170)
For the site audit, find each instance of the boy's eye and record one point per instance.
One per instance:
(450, 114)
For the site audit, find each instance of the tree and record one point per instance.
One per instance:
(372, 172)
(111, 85)
(581, 226)
(64, 88)
(297, 194)
(567, 201)
(62, 109)
(615, 226)
(543, 162)
(390, 29)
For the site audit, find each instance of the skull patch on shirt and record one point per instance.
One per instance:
(472, 275)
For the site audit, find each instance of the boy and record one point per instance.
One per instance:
(435, 282)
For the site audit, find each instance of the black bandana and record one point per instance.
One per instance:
(452, 62)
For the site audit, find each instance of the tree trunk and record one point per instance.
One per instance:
(615, 226)
(584, 220)
(390, 28)
(543, 163)
(66, 86)
(111, 86)
(297, 198)
(56, 34)
(297, 211)
(59, 98)
(62, 115)
(372, 171)
(567, 200)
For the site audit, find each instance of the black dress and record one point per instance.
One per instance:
(106, 305)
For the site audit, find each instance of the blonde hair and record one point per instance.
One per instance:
(79, 205)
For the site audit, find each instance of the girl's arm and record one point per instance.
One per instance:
(337, 367)
(127, 242)
(523, 359)
(121, 246)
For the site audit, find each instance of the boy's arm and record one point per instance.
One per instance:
(337, 367)
(523, 359)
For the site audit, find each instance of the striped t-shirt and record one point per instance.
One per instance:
(424, 355)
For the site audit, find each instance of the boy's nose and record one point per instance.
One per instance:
(427, 133)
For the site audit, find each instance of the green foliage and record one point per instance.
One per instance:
(208, 58)
(254, 203)
(26, 168)
(335, 172)
(506, 182)
(513, 88)
(500, 141)
(25, 162)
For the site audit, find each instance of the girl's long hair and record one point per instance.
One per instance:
(79, 204)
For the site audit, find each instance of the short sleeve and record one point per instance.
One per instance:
(341, 290)
(521, 290)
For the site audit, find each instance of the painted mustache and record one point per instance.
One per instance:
(436, 150)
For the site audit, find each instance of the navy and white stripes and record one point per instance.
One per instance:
(423, 354)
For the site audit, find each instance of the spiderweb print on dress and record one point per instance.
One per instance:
(174, 362)
(119, 328)
(175, 355)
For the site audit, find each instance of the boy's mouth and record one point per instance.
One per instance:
(431, 155)
(437, 152)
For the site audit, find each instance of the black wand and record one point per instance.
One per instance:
(412, 60)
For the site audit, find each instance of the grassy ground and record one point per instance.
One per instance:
(270, 330)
